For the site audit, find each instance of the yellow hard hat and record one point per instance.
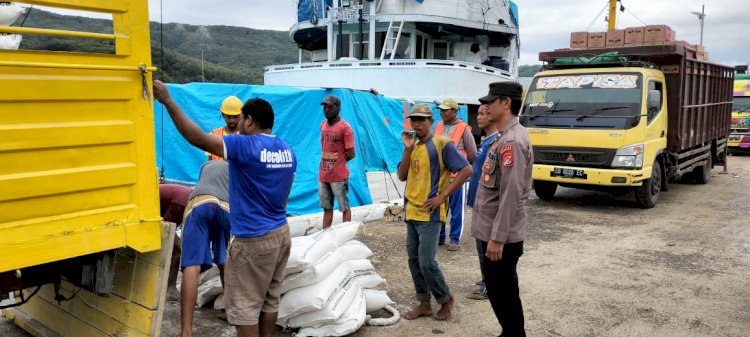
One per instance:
(231, 106)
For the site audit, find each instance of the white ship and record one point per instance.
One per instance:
(421, 51)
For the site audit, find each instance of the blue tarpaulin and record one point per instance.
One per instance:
(377, 122)
(514, 13)
(306, 9)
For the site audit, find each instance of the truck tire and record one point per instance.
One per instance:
(545, 190)
(648, 194)
(703, 173)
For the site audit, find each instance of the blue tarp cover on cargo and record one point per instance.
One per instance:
(514, 13)
(377, 122)
(306, 9)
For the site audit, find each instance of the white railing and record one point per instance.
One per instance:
(385, 64)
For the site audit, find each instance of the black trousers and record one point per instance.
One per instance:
(502, 289)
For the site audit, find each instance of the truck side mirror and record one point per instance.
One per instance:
(654, 100)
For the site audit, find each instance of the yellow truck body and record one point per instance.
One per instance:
(78, 174)
(77, 147)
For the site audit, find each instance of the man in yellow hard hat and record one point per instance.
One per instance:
(230, 111)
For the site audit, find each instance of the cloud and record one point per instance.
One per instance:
(545, 24)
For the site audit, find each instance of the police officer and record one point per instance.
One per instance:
(499, 216)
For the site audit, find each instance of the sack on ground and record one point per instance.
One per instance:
(9, 12)
(306, 251)
(364, 273)
(10, 41)
(353, 250)
(339, 233)
(376, 299)
(316, 296)
(324, 267)
(352, 319)
(208, 291)
(339, 302)
(350, 250)
(313, 297)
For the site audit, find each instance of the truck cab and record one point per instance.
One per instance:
(600, 127)
(627, 118)
(739, 138)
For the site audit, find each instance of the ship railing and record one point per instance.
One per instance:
(400, 63)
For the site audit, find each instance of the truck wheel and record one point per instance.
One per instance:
(703, 173)
(647, 194)
(545, 190)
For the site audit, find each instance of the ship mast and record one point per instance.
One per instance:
(612, 18)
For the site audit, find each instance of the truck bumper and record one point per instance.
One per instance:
(739, 141)
(594, 176)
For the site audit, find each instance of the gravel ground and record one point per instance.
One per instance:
(594, 265)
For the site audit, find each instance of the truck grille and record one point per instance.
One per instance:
(574, 156)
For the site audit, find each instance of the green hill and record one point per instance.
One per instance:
(230, 54)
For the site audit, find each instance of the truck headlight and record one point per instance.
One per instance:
(629, 156)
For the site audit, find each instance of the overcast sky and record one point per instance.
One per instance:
(544, 24)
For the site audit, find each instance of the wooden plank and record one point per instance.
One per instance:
(87, 314)
(30, 325)
(167, 240)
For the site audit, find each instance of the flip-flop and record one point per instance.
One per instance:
(477, 295)
(453, 247)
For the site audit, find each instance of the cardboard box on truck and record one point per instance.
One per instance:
(634, 36)
(597, 40)
(615, 38)
(657, 33)
(579, 40)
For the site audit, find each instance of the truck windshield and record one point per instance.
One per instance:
(741, 103)
(598, 101)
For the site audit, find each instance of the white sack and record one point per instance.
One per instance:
(10, 41)
(324, 267)
(9, 12)
(353, 250)
(208, 291)
(339, 233)
(352, 319)
(334, 309)
(306, 251)
(376, 299)
(219, 302)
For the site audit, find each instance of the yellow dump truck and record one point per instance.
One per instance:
(83, 251)
(627, 118)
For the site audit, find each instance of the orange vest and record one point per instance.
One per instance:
(455, 137)
(219, 132)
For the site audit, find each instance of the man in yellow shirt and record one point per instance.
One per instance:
(426, 166)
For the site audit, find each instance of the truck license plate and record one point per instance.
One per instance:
(568, 173)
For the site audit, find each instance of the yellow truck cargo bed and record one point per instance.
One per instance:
(78, 172)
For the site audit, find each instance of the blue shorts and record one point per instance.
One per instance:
(205, 236)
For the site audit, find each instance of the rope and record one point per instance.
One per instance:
(635, 16)
(161, 77)
(26, 16)
(384, 321)
(597, 17)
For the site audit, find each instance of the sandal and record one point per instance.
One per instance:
(453, 247)
(478, 295)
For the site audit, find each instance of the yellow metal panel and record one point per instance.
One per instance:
(36, 184)
(118, 315)
(601, 177)
(79, 135)
(108, 6)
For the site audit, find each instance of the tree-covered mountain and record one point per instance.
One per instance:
(230, 54)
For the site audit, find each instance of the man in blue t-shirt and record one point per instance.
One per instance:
(261, 171)
(490, 130)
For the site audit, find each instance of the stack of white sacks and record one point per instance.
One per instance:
(9, 13)
(330, 284)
